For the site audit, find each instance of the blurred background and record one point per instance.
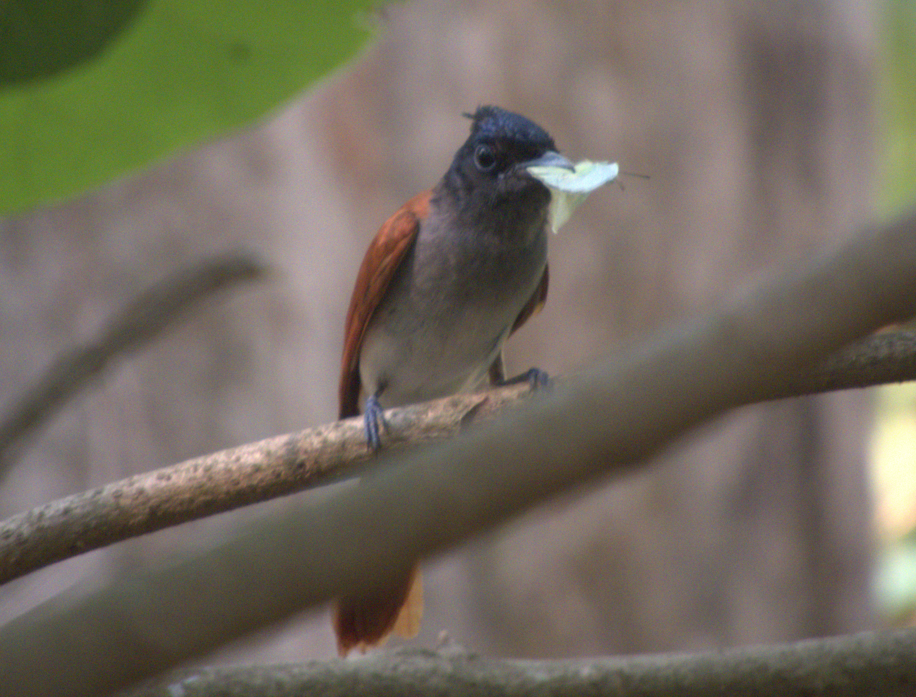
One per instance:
(768, 129)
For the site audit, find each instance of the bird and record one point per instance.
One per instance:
(446, 280)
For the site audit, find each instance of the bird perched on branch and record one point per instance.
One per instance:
(447, 279)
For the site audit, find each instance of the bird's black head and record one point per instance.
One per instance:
(500, 139)
(490, 168)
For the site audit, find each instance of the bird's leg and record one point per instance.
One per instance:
(374, 417)
(535, 377)
(498, 370)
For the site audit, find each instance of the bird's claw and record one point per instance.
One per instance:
(535, 377)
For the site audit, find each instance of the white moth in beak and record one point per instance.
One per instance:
(570, 187)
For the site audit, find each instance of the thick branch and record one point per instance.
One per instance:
(874, 664)
(138, 323)
(287, 464)
(618, 413)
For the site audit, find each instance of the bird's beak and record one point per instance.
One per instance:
(549, 159)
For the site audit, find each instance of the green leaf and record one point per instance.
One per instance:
(898, 107)
(41, 37)
(182, 72)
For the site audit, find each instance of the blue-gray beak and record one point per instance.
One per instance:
(549, 159)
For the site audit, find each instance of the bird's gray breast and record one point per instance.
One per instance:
(449, 310)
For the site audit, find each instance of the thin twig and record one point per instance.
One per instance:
(137, 323)
(881, 359)
(224, 480)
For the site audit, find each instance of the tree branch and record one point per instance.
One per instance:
(288, 464)
(618, 413)
(870, 663)
(225, 480)
(139, 322)
(881, 359)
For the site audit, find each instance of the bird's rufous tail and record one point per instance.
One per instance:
(364, 622)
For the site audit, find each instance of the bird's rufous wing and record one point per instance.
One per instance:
(379, 266)
(535, 304)
(366, 621)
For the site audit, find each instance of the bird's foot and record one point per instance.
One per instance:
(374, 418)
(535, 377)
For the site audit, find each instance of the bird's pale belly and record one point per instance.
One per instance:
(422, 358)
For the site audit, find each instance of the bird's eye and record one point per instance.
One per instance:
(484, 158)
